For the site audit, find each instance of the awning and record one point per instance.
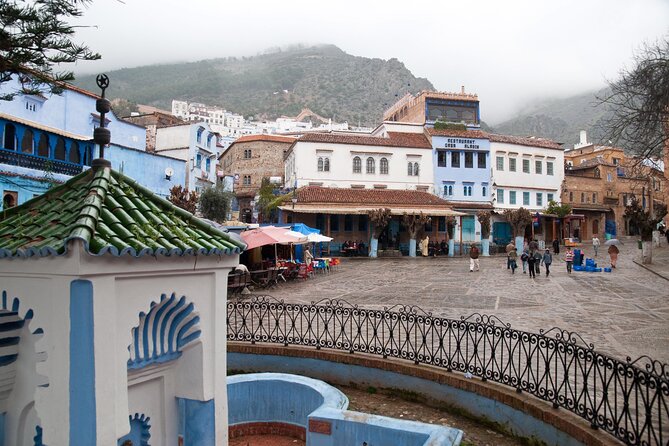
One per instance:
(363, 210)
(271, 235)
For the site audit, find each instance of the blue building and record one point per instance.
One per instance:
(45, 140)
(461, 162)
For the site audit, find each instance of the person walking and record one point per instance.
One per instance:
(537, 260)
(569, 258)
(547, 259)
(531, 261)
(613, 253)
(474, 259)
(556, 246)
(513, 257)
(523, 258)
(510, 247)
(595, 244)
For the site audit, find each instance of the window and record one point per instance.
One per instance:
(616, 161)
(594, 197)
(75, 157)
(43, 146)
(348, 223)
(247, 180)
(538, 167)
(415, 169)
(595, 227)
(357, 165)
(526, 198)
(383, 166)
(320, 164)
(512, 197)
(334, 222)
(60, 149)
(597, 173)
(441, 158)
(582, 197)
(198, 161)
(326, 164)
(500, 163)
(540, 199)
(208, 164)
(549, 197)
(441, 224)
(9, 199)
(455, 159)
(571, 197)
(362, 223)
(467, 190)
(609, 177)
(512, 164)
(448, 190)
(526, 166)
(500, 196)
(481, 160)
(320, 222)
(370, 165)
(199, 134)
(469, 160)
(247, 154)
(484, 190)
(549, 167)
(10, 137)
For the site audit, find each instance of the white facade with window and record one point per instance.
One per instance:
(347, 162)
(525, 175)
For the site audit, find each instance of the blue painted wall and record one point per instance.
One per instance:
(82, 365)
(26, 188)
(517, 421)
(2, 428)
(271, 401)
(72, 112)
(197, 423)
(458, 176)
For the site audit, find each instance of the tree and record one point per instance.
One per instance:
(35, 36)
(215, 204)
(379, 219)
(645, 220)
(639, 103)
(519, 219)
(484, 219)
(182, 198)
(414, 223)
(267, 201)
(561, 210)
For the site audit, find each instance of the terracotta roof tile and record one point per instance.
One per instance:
(394, 139)
(478, 134)
(377, 197)
(525, 141)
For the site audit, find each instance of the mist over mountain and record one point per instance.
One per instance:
(324, 78)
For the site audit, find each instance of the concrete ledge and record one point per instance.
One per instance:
(267, 428)
(652, 270)
(575, 429)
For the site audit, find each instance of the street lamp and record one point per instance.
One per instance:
(294, 199)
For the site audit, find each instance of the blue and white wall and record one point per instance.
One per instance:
(72, 112)
(467, 183)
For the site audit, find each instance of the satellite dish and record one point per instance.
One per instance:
(168, 173)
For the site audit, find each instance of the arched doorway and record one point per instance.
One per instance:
(9, 199)
(595, 227)
(10, 137)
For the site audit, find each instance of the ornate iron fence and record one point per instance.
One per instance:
(627, 399)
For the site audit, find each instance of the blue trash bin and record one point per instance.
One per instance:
(578, 257)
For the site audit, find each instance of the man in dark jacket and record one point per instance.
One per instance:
(556, 246)
(547, 260)
(474, 259)
(531, 264)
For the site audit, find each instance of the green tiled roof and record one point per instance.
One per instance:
(109, 213)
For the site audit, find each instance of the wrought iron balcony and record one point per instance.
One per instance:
(38, 163)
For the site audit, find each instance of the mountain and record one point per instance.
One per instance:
(560, 119)
(322, 78)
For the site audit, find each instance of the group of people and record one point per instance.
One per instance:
(352, 247)
(429, 248)
(533, 258)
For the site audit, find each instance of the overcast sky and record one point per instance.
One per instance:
(509, 52)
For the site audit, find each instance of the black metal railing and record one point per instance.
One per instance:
(626, 398)
(37, 162)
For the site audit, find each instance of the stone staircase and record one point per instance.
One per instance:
(389, 253)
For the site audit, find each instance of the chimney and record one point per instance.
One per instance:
(463, 89)
(584, 138)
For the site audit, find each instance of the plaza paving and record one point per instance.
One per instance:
(624, 313)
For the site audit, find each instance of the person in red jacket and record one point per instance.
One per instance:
(474, 259)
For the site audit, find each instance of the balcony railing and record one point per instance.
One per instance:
(38, 163)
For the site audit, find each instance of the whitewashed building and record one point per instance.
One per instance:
(197, 145)
(528, 173)
(392, 160)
